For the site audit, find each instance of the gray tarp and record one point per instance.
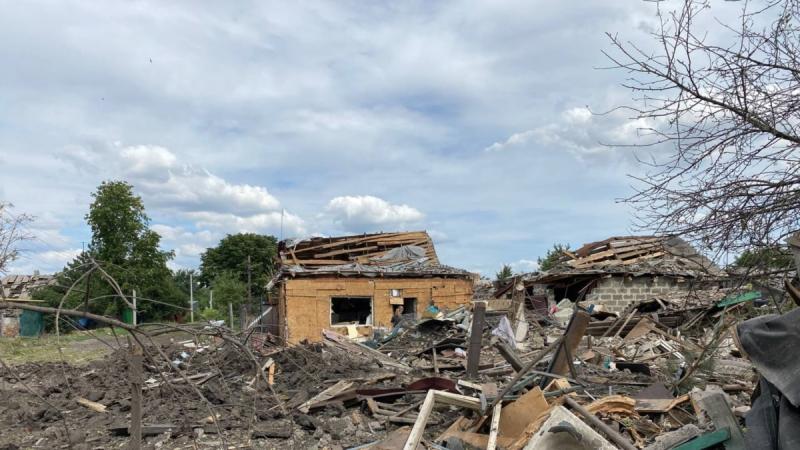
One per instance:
(772, 343)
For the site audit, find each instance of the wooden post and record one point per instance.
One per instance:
(191, 298)
(475, 337)
(230, 315)
(509, 355)
(561, 363)
(135, 360)
(517, 303)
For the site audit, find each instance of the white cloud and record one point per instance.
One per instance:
(271, 222)
(513, 140)
(363, 212)
(524, 266)
(303, 102)
(581, 134)
(577, 115)
(156, 172)
(144, 160)
(46, 262)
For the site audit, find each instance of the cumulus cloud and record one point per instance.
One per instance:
(513, 140)
(166, 183)
(300, 102)
(46, 262)
(582, 134)
(272, 222)
(365, 212)
(524, 266)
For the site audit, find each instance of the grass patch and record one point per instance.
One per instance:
(78, 347)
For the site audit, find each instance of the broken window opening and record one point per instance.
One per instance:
(351, 311)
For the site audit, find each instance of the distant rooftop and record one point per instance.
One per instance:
(382, 254)
(19, 287)
(635, 255)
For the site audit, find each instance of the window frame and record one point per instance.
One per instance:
(344, 325)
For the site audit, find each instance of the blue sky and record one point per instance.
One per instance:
(473, 120)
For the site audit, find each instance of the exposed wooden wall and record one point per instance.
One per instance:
(305, 306)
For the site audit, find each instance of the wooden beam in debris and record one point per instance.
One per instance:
(494, 427)
(475, 337)
(560, 364)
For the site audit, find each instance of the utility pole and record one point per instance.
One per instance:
(191, 298)
(249, 290)
(243, 310)
(135, 313)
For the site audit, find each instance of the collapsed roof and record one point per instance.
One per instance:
(20, 287)
(380, 254)
(634, 255)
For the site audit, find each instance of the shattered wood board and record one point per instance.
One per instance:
(325, 395)
(543, 439)
(517, 415)
(618, 404)
(658, 405)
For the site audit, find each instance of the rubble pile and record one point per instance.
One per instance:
(596, 380)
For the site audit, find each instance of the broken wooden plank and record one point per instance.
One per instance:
(94, 406)
(516, 416)
(494, 427)
(713, 405)
(659, 405)
(327, 394)
(618, 404)
(415, 436)
(462, 401)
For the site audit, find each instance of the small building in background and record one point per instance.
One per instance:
(353, 284)
(18, 288)
(619, 271)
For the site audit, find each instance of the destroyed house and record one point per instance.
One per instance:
(353, 284)
(619, 271)
(18, 288)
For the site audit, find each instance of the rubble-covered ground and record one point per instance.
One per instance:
(648, 382)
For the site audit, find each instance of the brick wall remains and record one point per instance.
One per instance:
(306, 302)
(617, 292)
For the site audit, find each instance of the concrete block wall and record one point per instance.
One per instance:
(617, 292)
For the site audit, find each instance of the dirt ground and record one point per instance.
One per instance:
(40, 397)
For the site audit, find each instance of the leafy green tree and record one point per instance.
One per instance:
(231, 254)
(125, 246)
(504, 274)
(228, 289)
(766, 258)
(552, 257)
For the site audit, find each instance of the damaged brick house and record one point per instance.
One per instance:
(619, 271)
(18, 288)
(353, 284)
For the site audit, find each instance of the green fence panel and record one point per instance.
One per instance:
(31, 323)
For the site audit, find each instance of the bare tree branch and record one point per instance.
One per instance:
(730, 114)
